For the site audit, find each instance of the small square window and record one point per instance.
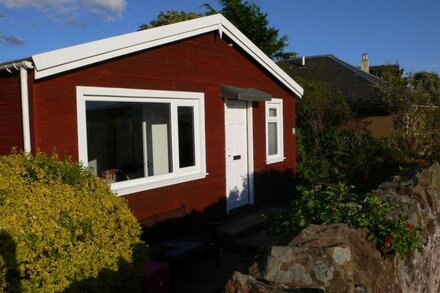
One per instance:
(272, 112)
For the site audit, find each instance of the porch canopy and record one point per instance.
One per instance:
(243, 94)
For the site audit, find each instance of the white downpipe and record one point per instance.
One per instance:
(25, 106)
(25, 109)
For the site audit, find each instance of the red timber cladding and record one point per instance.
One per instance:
(199, 64)
(10, 113)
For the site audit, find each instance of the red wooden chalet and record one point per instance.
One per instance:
(187, 114)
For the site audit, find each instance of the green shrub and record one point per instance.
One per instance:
(61, 226)
(343, 156)
(339, 204)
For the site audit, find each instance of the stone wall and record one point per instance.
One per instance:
(417, 194)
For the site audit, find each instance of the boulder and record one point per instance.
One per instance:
(331, 257)
(240, 283)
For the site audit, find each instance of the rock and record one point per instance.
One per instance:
(331, 257)
(240, 283)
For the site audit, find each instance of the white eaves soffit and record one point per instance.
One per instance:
(57, 61)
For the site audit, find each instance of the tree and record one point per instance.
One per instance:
(246, 16)
(393, 88)
(169, 17)
(429, 83)
(413, 100)
(320, 109)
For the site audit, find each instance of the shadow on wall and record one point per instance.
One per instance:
(271, 187)
(183, 224)
(274, 187)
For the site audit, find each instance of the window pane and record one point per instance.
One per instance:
(273, 138)
(127, 140)
(157, 134)
(272, 112)
(185, 116)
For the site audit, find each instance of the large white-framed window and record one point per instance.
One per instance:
(141, 139)
(274, 131)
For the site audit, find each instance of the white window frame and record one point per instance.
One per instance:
(278, 105)
(175, 98)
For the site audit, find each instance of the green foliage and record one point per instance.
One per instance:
(417, 134)
(320, 108)
(339, 204)
(393, 89)
(343, 156)
(326, 153)
(414, 100)
(61, 226)
(169, 17)
(429, 84)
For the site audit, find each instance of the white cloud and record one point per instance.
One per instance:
(110, 8)
(11, 41)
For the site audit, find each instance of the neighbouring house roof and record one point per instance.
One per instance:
(58, 61)
(356, 86)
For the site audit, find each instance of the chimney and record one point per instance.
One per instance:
(364, 63)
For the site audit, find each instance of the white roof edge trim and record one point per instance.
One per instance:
(61, 60)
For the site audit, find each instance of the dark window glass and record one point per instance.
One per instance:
(185, 117)
(127, 140)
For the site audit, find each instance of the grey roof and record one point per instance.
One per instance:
(356, 86)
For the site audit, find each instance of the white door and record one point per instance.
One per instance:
(237, 175)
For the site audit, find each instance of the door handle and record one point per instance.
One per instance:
(237, 157)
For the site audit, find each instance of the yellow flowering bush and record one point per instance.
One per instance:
(61, 227)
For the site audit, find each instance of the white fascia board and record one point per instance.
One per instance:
(54, 62)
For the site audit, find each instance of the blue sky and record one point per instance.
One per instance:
(406, 31)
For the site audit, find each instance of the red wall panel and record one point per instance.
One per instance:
(10, 113)
(200, 64)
